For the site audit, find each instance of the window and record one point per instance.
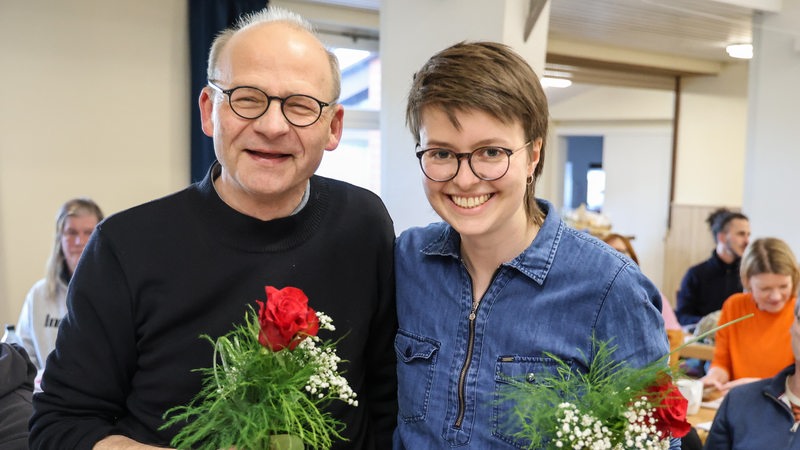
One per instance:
(357, 160)
(595, 188)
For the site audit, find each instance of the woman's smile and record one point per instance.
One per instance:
(470, 202)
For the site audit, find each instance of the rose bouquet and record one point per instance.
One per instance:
(270, 378)
(610, 406)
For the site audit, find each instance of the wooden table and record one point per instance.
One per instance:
(703, 415)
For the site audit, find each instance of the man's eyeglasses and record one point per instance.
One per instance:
(487, 163)
(251, 103)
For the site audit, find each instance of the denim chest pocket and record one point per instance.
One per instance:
(506, 425)
(416, 362)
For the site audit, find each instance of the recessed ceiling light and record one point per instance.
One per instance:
(742, 51)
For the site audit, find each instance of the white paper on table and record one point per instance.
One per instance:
(712, 404)
(706, 426)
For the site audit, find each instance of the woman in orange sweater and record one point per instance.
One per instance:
(758, 347)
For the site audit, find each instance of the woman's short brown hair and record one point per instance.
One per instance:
(488, 77)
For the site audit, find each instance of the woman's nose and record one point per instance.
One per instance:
(465, 175)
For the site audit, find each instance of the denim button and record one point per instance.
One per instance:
(531, 377)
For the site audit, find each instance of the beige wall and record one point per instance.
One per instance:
(94, 103)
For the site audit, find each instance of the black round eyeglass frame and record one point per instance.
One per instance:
(468, 156)
(270, 98)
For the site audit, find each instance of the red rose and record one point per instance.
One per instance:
(670, 413)
(285, 318)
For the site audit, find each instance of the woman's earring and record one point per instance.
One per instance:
(529, 180)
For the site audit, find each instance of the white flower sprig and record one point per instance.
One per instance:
(579, 431)
(327, 378)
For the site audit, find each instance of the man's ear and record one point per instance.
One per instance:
(206, 102)
(335, 128)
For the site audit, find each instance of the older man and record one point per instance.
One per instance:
(156, 277)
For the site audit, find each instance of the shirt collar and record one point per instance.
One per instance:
(534, 262)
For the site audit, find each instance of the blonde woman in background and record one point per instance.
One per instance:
(45, 304)
(758, 347)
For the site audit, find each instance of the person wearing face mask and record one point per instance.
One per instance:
(156, 277)
(46, 304)
(764, 414)
(757, 347)
(705, 286)
(501, 284)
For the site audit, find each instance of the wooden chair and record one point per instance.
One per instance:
(696, 350)
(675, 340)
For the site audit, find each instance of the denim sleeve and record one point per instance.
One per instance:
(630, 318)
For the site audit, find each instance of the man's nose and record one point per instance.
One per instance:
(273, 120)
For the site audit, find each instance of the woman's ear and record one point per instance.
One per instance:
(534, 154)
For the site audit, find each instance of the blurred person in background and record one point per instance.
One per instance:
(46, 302)
(705, 286)
(757, 347)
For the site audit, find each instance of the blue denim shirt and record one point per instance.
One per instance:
(564, 288)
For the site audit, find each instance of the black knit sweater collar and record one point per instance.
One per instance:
(722, 264)
(251, 234)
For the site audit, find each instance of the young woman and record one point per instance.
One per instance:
(485, 295)
(45, 304)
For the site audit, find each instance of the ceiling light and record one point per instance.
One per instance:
(742, 51)
(555, 82)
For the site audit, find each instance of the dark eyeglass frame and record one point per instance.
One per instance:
(270, 98)
(468, 157)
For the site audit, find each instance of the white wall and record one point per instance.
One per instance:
(773, 152)
(711, 139)
(637, 164)
(605, 103)
(94, 103)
